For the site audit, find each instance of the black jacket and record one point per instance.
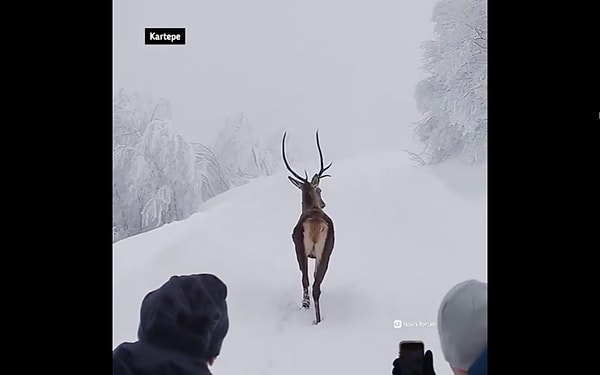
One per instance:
(182, 325)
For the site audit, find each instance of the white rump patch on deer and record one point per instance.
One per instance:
(315, 234)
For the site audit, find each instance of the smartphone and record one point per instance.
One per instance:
(411, 357)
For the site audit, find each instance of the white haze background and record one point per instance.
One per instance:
(349, 68)
(193, 123)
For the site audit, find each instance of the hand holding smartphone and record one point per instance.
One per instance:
(411, 357)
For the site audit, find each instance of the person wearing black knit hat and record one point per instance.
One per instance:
(182, 327)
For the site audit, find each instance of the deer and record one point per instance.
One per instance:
(313, 236)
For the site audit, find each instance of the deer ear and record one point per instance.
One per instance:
(295, 182)
(315, 180)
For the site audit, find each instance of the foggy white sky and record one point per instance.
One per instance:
(346, 67)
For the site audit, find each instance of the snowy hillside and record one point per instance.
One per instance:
(404, 236)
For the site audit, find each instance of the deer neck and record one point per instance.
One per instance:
(309, 202)
(312, 207)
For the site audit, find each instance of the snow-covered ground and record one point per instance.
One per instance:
(404, 236)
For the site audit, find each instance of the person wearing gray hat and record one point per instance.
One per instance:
(462, 327)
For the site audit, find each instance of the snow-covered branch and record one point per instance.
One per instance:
(154, 175)
(453, 98)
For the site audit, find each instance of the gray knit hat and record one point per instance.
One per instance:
(462, 323)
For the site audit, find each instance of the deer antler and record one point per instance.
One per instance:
(320, 174)
(287, 165)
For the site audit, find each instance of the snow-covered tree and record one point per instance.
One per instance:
(240, 153)
(272, 150)
(158, 177)
(154, 210)
(155, 179)
(213, 181)
(453, 98)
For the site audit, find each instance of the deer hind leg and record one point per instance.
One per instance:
(320, 270)
(321, 264)
(303, 263)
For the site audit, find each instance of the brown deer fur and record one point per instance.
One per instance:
(313, 235)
